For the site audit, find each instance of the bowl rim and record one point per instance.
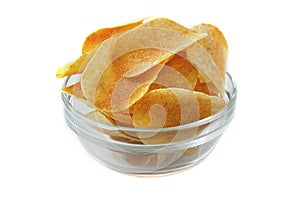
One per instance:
(221, 113)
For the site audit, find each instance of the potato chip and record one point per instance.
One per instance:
(209, 56)
(173, 107)
(90, 43)
(206, 88)
(151, 74)
(116, 93)
(216, 45)
(74, 90)
(94, 39)
(161, 34)
(93, 71)
(138, 49)
(205, 65)
(177, 73)
(75, 67)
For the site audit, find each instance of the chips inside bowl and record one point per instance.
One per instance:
(152, 73)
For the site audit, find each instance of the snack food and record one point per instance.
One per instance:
(153, 73)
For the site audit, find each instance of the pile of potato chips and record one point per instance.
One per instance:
(152, 73)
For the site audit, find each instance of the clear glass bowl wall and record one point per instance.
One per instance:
(142, 159)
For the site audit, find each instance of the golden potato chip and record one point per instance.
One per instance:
(74, 90)
(161, 34)
(75, 67)
(122, 118)
(173, 107)
(116, 93)
(137, 49)
(91, 42)
(177, 73)
(209, 56)
(93, 71)
(216, 45)
(94, 39)
(206, 88)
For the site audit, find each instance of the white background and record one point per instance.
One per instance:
(257, 157)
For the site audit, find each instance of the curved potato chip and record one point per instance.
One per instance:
(205, 65)
(177, 73)
(216, 45)
(94, 39)
(161, 34)
(90, 43)
(74, 90)
(206, 88)
(96, 66)
(137, 49)
(209, 56)
(75, 67)
(116, 93)
(176, 107)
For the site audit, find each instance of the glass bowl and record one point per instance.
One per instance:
(140, 159)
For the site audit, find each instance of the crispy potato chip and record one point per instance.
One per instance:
(216, 45)
(94, 39)
(161, 34)
(177, 73)
(138, 49)
(93, 71)
(115, 92)
(151, 74)
(91, 42)
(122, 118)
(173, 107)
(74, 90)
(75, 67)
(181, 106)
(205, 65)
(206, 88)
(209, 56)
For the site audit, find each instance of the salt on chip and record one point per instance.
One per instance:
(173, 107)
